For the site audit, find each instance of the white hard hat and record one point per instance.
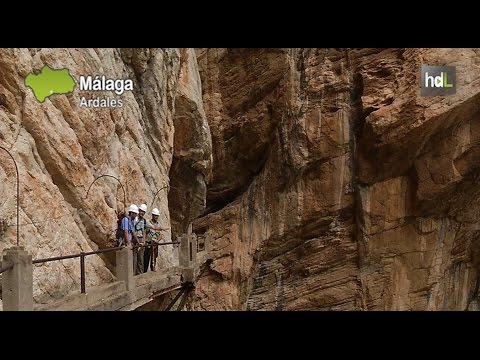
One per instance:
(133, 208)
(155, 212)
(143, 207)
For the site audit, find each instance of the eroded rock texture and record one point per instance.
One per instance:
(335, 185)
(320, 177)
(61, 147)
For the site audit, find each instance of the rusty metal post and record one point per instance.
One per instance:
(82, 272)
(169, 306)
(18, 192)
(186, 294)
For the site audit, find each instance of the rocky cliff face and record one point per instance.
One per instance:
(62, 147)
(320, 177)
(335, 185)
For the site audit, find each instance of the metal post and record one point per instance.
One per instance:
(18, 192)
(184, 299)
(82, 272)
(182, 290)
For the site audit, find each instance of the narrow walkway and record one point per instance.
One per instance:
(114, 296)
(127, 293)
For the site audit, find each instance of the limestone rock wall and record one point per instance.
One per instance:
(335, 185)
(320, 177)
(61, 147)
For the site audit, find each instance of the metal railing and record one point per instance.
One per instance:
(6, 268)
(186, 285)
(82, 256)
(156, 244)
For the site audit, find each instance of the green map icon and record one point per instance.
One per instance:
(49, 82)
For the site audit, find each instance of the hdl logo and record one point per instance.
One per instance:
(438, 80)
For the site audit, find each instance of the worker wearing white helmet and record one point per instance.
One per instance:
(127, 227)
(143, 208)
(140, 227)
(153, 238)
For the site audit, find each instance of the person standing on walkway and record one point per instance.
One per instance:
(153, 238)
(127, 227)
(140, 227)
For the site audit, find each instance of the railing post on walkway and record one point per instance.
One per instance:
(187, 256)
(208, 243)
(82, 272)
(17, 283)
(125, 267)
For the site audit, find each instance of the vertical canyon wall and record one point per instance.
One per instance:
(320, 177)
(335, 185)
